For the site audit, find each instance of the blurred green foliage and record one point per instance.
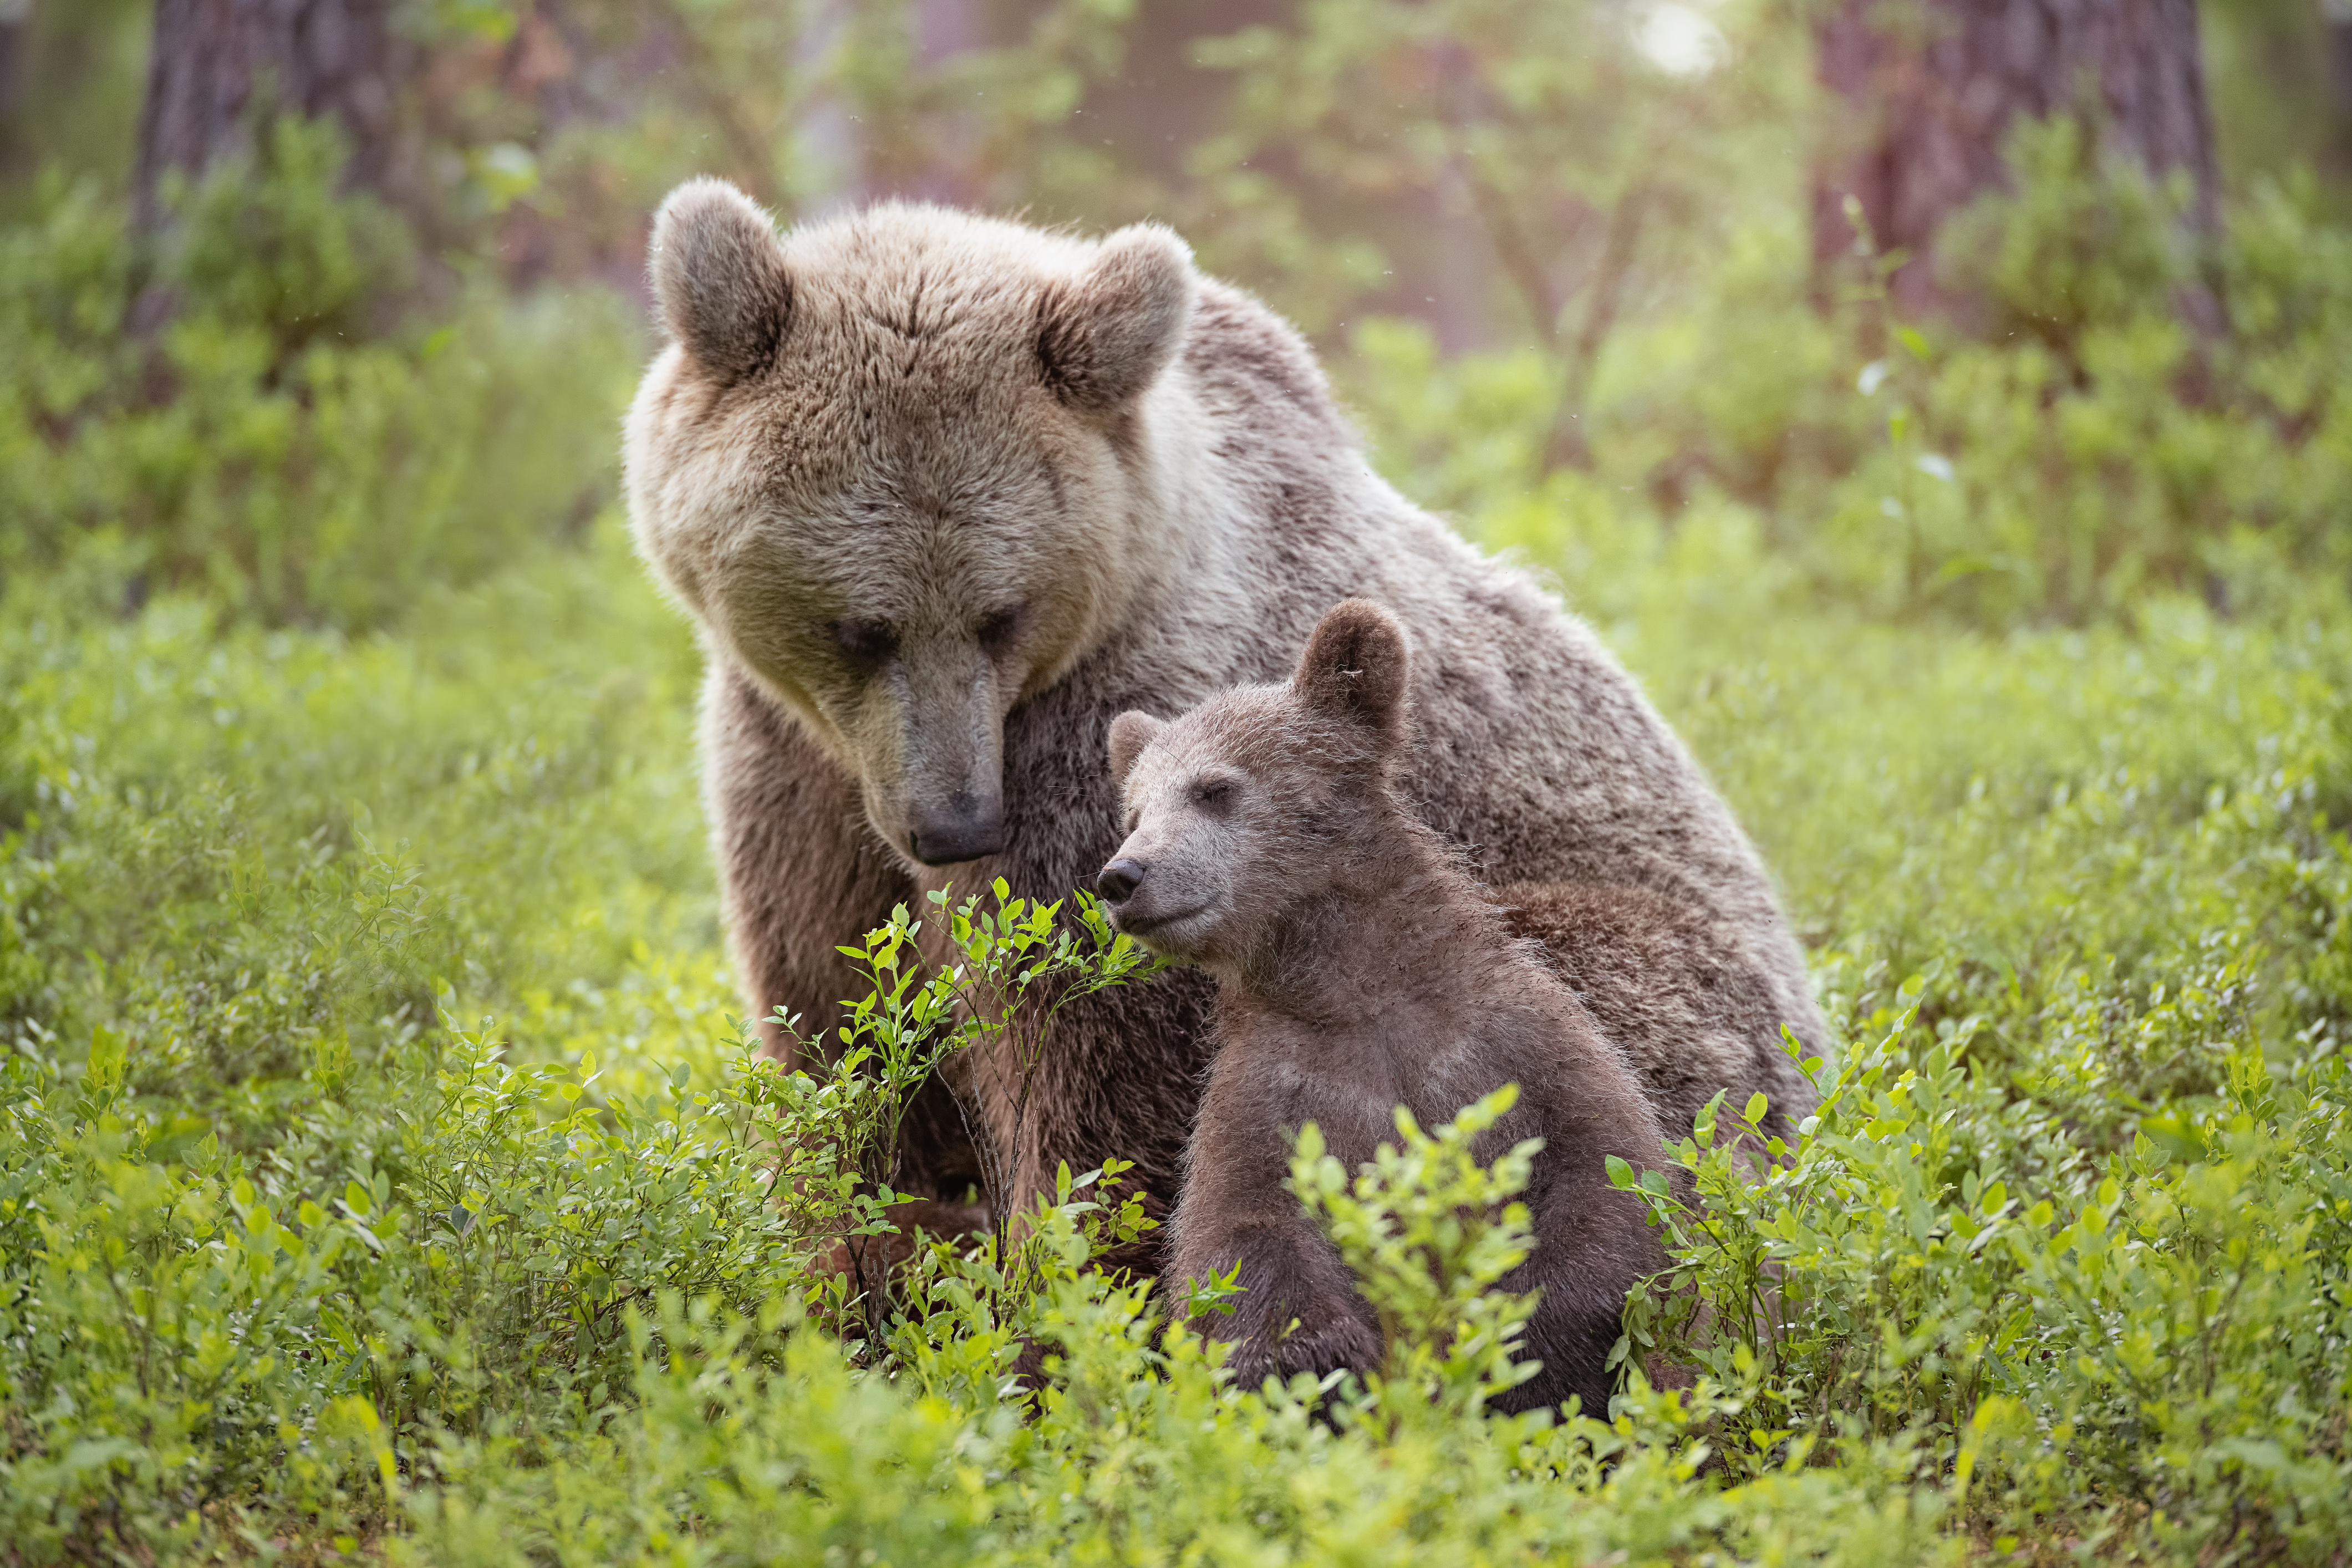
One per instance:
(281, 440)
(335, 719)
(2087, 447)
(74, 101)
(2130, 405)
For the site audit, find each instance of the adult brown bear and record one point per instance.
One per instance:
(945, 494)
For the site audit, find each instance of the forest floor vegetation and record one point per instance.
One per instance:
(378, 1176)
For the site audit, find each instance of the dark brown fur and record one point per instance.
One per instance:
(1357, 970)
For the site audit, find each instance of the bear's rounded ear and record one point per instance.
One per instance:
(719, 276)
(1105, 335)
(1129, 733)
(1355, 666)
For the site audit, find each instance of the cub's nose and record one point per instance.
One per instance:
(1116, 882)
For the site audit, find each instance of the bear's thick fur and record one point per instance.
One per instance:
(1357, 969)
(1716, 1027)
(945, 494)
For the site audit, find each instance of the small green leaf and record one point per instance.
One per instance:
(109, 1053)
(2175, 1134)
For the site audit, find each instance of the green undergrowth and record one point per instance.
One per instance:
(243, 411)
(301, 1256)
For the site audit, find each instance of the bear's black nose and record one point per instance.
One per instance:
(1116, 882)
(965, 830)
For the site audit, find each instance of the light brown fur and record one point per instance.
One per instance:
(945, 494)
(1359, 969)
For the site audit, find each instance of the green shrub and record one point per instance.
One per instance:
(440, 1256)
(262, 448)
(443, 1244)
(2158, 1330)
(267, 243)
(1137, 1446)
(1427, 1232)
(2086, 240)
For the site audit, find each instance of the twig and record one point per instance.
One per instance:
(755, 158)
(1565, 444)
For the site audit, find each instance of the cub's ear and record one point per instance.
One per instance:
(1355, 666)
(1105, 335)
(1129, 733)
(719, 275)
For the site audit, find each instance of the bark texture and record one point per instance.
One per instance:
(1934, 87)
(15, 39)
(215, 62)
(2336, 16)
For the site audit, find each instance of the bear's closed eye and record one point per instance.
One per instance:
(868, 642)
(997, 632)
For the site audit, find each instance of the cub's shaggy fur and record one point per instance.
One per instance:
(1359, 970)
(944, 495)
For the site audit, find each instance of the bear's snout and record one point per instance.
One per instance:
(1116, 882)
(964, 829)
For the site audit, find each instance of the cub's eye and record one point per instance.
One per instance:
(864, 642)
(997, 632)
(1213, 794)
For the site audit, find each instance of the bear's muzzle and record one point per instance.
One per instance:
(964, 828)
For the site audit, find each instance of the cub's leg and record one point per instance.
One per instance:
(1299, 1310)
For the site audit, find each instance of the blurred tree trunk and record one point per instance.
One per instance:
(15, 36)
(215, 63)
(2335, 15)
(1933, 86)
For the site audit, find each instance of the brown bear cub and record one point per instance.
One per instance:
(1359, 969)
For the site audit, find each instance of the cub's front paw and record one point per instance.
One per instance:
(1340, 1340)
(1315, 1338)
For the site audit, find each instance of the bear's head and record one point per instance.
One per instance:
(1245, 808)
(895, 464)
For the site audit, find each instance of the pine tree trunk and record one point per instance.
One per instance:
(1935, 85)
(16, 37)
(217, 62)
(2335, 15)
